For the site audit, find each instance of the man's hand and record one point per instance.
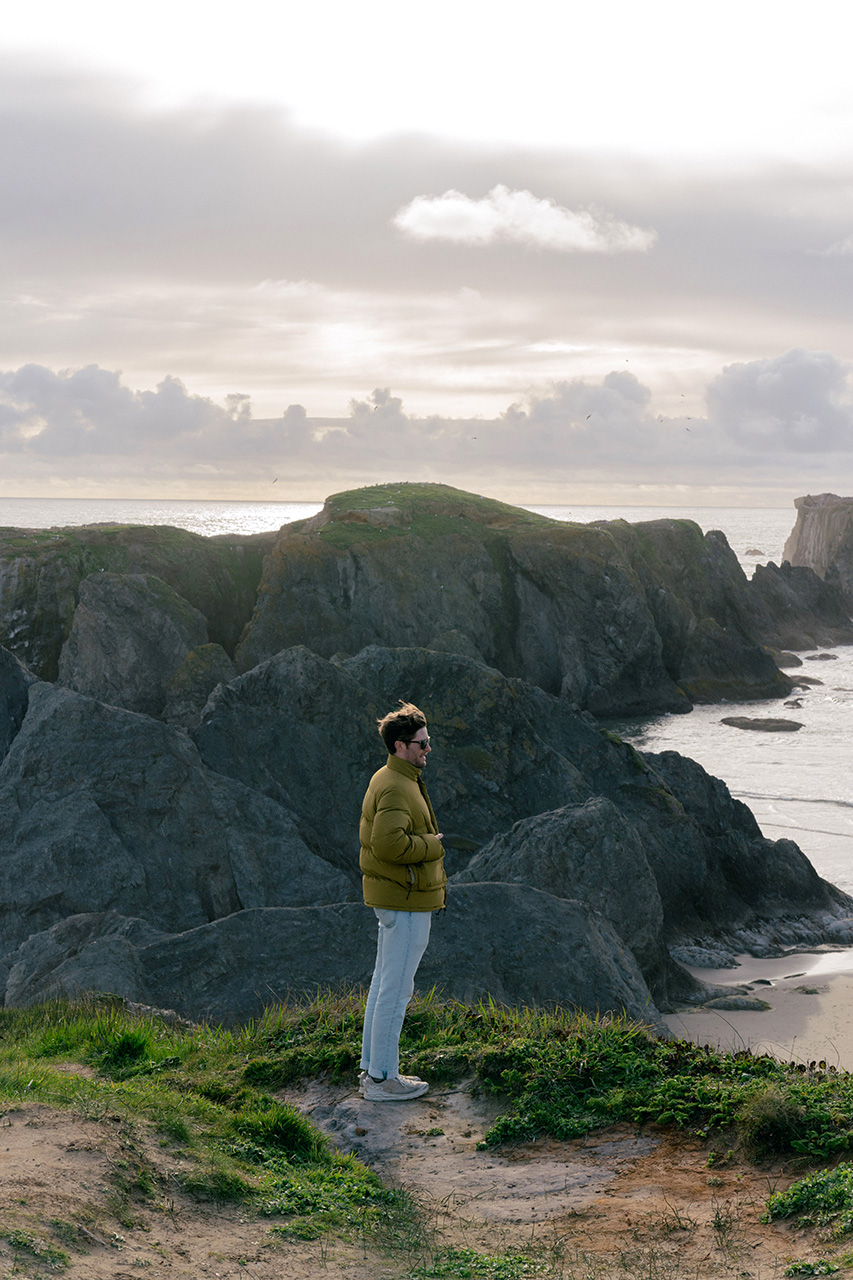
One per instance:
(440, 835)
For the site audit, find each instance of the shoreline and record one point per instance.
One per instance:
(810, 996)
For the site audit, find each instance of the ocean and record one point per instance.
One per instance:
(797, 784)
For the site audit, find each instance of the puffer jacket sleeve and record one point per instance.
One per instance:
(393, 839)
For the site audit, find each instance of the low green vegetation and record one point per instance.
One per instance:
(566, 1074)
(427, 511)
(821, 1199)
(205, 1098)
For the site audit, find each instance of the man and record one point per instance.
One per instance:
(402, 863)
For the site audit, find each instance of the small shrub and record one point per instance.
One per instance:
(116, 1049)
(281, 1127)
(771, 1122)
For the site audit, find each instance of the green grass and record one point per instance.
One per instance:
(184, 1088)
(566, 1074)
(468, 1264)
(821, 1199)
(205, 1095)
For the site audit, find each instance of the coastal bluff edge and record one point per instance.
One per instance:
(186, 733)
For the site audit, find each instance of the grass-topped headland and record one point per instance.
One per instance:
(421, 510)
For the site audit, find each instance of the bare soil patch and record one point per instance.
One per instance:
(620, 1204)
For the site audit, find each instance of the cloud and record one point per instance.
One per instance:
(518, 217)
(90, 411)
(840, 249)
(800, 401)
(786, 421)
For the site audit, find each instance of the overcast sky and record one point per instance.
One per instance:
(571, 253)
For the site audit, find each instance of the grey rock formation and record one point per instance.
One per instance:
(508, 941)
(194, 681)
(762, 724)
(796, 609)
(753, 891)
(15, 681)
(505, 750)
(214, 870)
(41, 570)
(102, 809)
(615, 617)
(84, 953)
(822, 539)
(129, 636)
(587, 852)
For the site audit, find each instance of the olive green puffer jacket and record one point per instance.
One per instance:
(402, 858)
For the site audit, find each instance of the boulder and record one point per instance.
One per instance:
(618, 618)
(763, 724)
(510, 942)
(102, 809)
(588, 852)
(129, 636)
(84, 953)
(201, 671)
(15, 681)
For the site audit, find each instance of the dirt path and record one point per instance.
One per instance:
(619, 1205)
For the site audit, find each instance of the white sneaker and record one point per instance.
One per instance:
(365, 1075)
(398, 1089)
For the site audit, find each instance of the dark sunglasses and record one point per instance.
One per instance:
(418, 742)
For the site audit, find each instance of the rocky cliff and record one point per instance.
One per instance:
(212, 872)
(41, 572)
(822, 539)
(183, 835)
(617, 618)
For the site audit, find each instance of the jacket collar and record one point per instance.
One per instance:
(402, 766)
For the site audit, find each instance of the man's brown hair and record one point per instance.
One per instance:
(400, 725)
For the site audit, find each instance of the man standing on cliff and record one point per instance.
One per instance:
(402, 863)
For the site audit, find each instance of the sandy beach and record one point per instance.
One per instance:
(810, 996)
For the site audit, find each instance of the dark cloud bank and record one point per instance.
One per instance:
(773, 421)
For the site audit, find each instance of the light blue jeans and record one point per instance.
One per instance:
(403, 938)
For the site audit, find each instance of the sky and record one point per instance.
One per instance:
(550, 253)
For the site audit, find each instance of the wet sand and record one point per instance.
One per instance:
(809, 1019)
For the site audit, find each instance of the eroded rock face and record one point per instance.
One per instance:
(102, 809)
(129, 636)
(796, 609)
(15, 681)
(822, 538)
(192, 684)
(505, 750)
(618, 618)
(41, 570)
(510, 941)
(218, 845)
